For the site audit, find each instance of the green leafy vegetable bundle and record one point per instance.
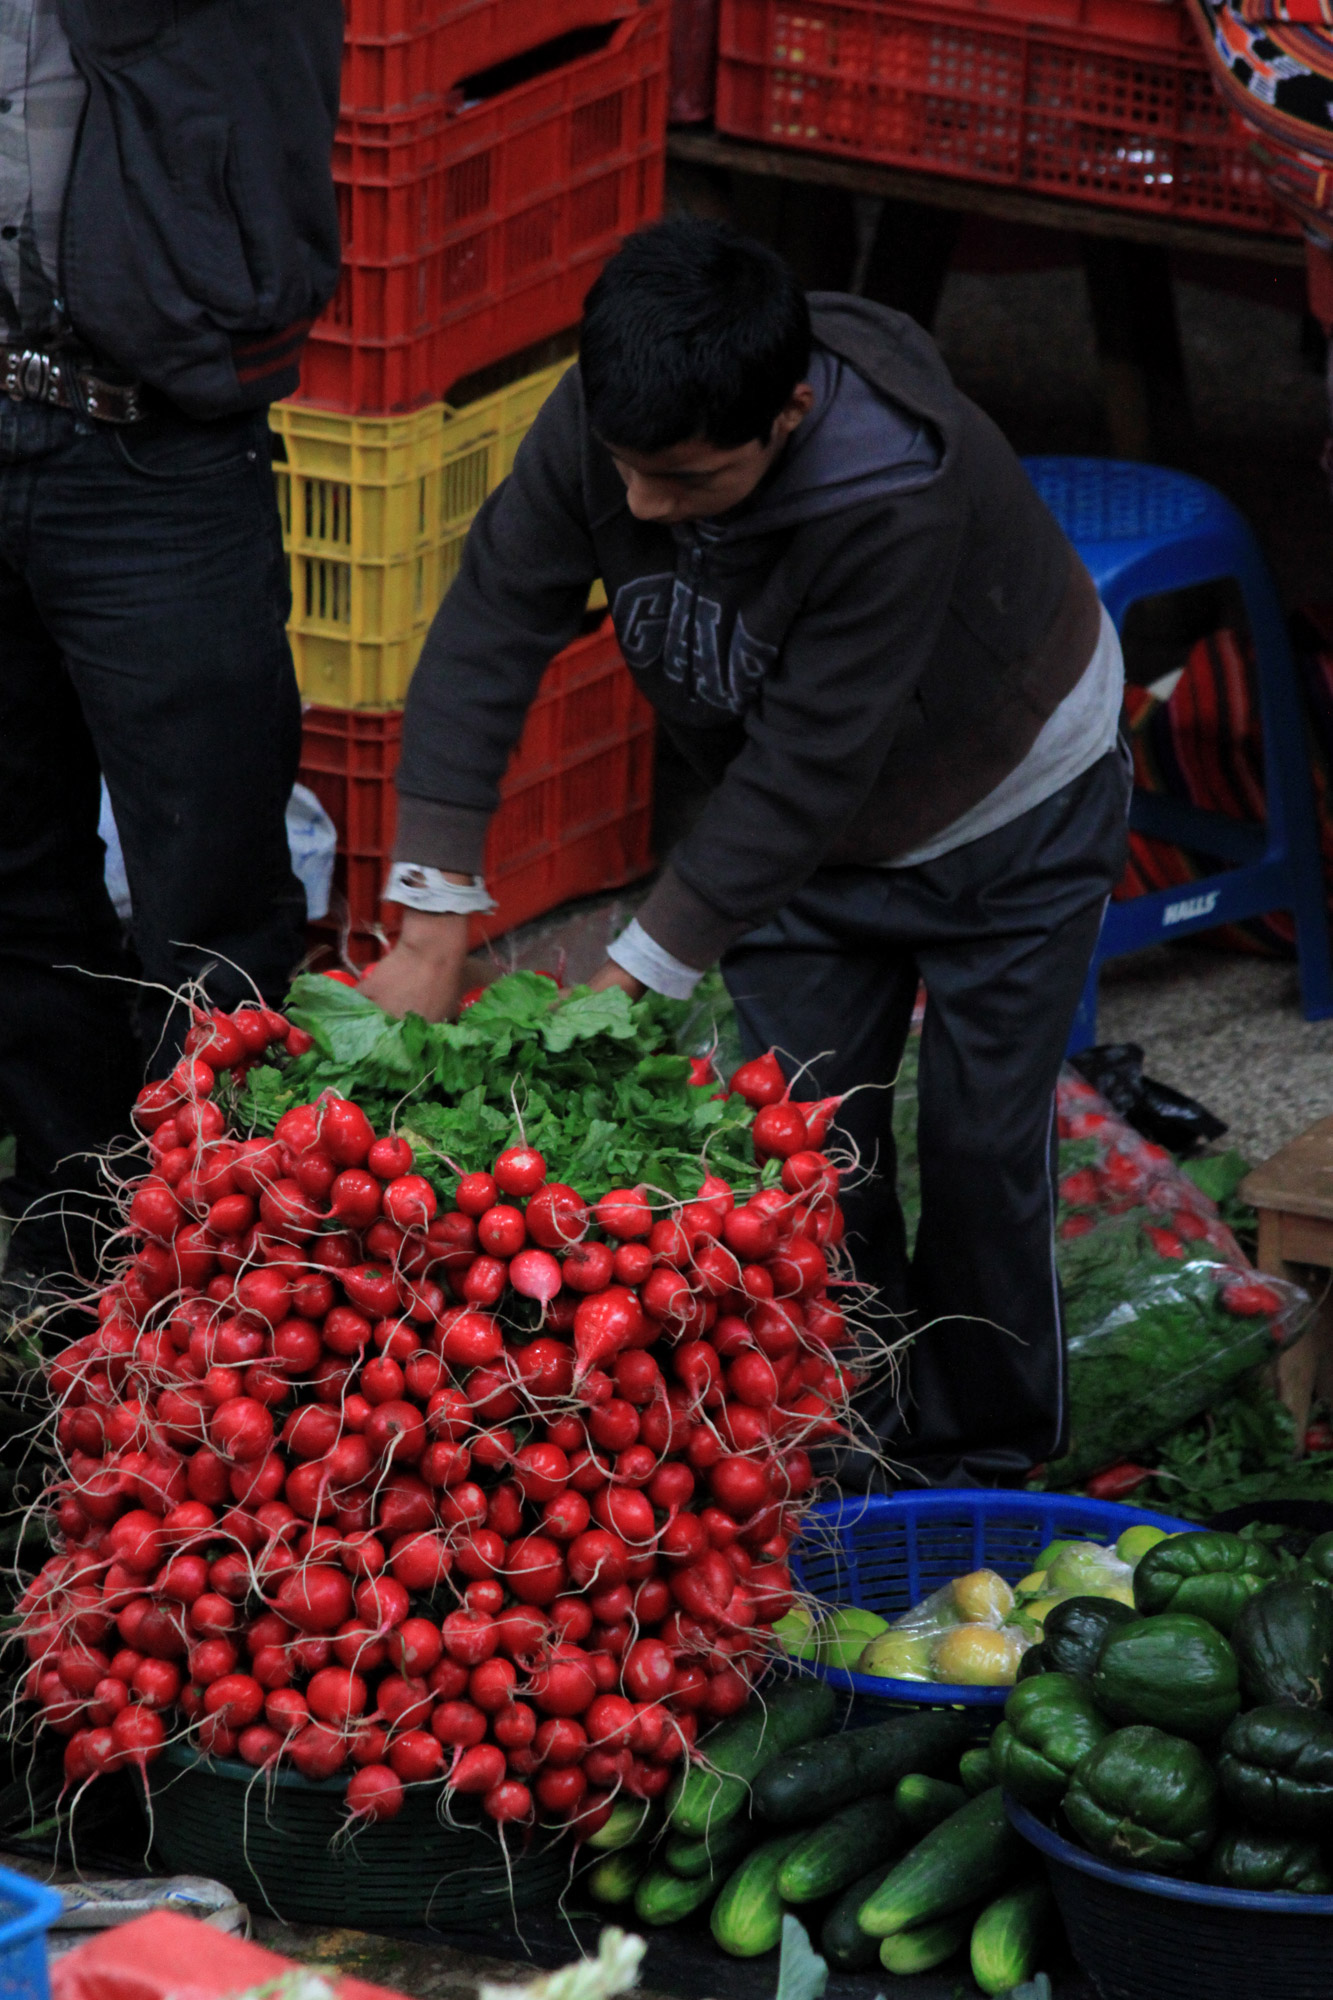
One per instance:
(592, 1080)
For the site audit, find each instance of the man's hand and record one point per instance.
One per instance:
(611, 974)
(423, 974)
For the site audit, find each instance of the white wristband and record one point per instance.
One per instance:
(429, 889)
(644, 959)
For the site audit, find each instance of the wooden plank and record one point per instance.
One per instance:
(1307, 1239)
(1299, 1179)
(979, 198)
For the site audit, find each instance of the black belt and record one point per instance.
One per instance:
(31, 375)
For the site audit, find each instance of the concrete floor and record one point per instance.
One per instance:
(1228, 1029)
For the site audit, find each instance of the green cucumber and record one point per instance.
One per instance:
(922, 1802)
(714, 1789)
(924, 1948)
(972, 1855)
(714, 1853)
(616, 1877)
(844, 1944)
(629, 1817)
(830, 1856)
(976, 1773)
(807, 1783)
(663, 1898)
(747, 1916)
(1007, 1937)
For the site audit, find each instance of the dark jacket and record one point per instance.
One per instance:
(200, 234)
(849, 682)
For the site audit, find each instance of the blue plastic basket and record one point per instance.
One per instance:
(27, 1911)
(885, 1555)
(1154, 1937)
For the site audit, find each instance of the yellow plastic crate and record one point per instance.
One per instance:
(375, 511)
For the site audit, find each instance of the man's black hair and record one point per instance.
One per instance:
(692, 330)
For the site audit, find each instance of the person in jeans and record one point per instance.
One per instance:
(859, 623)
(168, 231)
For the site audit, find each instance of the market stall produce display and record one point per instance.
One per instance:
(392, 1456)
(1196, 1742)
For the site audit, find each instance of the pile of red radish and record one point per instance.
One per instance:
(497, 1498)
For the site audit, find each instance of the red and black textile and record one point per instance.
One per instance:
(1204, 745)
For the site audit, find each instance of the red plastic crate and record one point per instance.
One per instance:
(400, 55)
(469, 236)
(995, 94)
(576, 803)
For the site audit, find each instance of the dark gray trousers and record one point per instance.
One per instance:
(1001, 933)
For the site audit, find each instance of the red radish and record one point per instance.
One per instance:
(557, 1218)
(535, 1274)
(318, 1752)
(566, 1516)
(589, 1267)
(520, 1170)
(565, 1684)
(535, 1569)
(460, 1724)
(598, 1557)
(374, 1793)
(389, 1158)
(508, 1802)
(819, 1115)
(138, 1735)
(476, 1193)
(409, 1201)
(760, 1082)
(632, 1264)
(624, 1213)
(605, 1322)
(471, 1340)
(750, 1233)
(544, 1366)
(469, 1637)
(649, 1671)
(778, 1132)
(234, 1699)
(491, 1685)
(515, 1726)
(315, 1599)
(523, 1633)
(337, 1696)
(403, 1701)
(614, 1425)
(560, 1790)
(480, 1769)
(416, 1757)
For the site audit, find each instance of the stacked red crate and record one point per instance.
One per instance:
(491, 155)
(489, 159)
(1107, 101)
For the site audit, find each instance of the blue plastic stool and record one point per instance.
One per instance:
(1143, 530)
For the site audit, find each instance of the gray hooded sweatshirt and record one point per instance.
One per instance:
(852, 659)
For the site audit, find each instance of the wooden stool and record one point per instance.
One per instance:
(1293, 1193)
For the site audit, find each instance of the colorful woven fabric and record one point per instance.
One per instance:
(1204, 745)
(1273, 62)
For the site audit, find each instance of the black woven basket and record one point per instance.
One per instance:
(1150, 1937)
(271, 1840)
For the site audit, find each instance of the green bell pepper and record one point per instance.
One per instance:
(1176, 1672)
(1276, 1768)
(1246, 1860)
(1211, 1574)
(1145, 1798)
(1049, 1724)
(1316, 1565)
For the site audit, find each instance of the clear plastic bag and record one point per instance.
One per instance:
(1162, 1310)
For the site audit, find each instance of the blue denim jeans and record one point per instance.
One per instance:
(143, 603)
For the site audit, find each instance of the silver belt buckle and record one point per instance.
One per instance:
(32, 376)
